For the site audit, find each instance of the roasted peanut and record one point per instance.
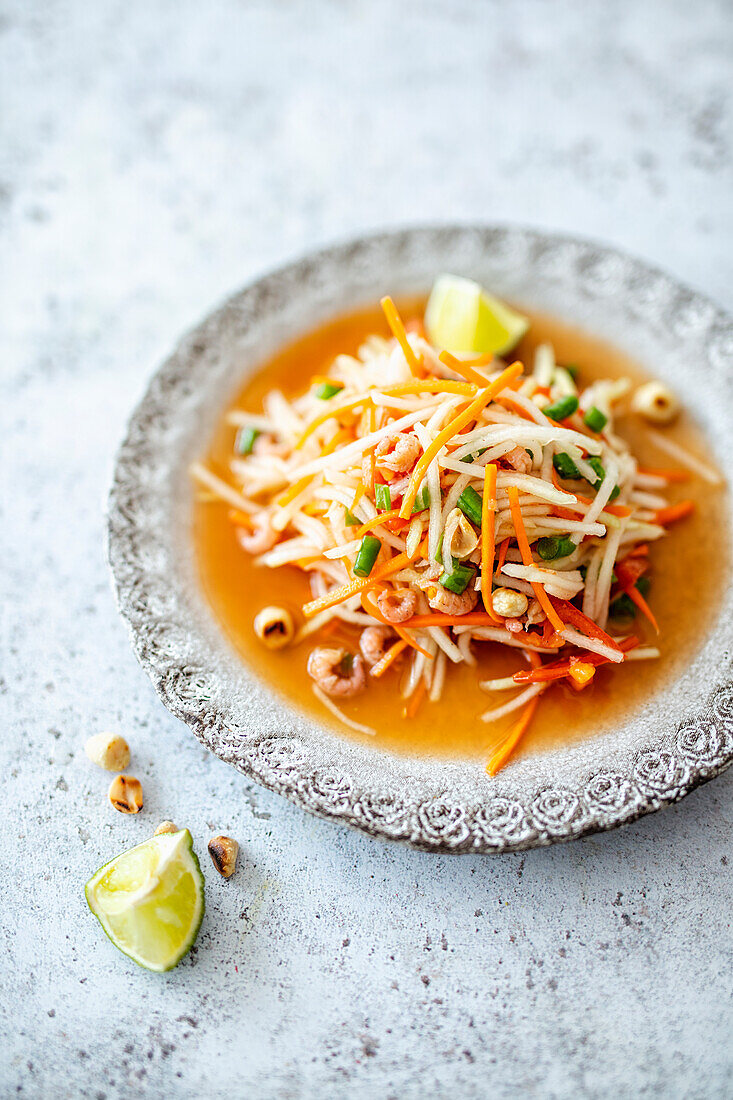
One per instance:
(126, 794)
(224, 851)
(274, 627)
(109, 751)
(166, 827)
(655, 402)
(508, 603)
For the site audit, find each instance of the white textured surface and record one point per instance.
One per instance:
(153, 158)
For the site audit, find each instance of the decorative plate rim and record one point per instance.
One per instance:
(184, 656)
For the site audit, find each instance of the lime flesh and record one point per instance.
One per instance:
(150, 900)
(462, 316)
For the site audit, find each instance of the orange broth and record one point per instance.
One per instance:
(237, 588)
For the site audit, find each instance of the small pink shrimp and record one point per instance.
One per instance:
(449, 603)
(397, 605)
(374, 643)
(337, 672)
(514, 626)
(398, 453)
(261, 538)
(519, 459)
(267, 445)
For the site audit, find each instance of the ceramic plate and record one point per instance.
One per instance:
(679, 739)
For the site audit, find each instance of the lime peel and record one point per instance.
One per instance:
(461, 316)
(150, 900)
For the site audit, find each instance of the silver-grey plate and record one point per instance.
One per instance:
(681, 738)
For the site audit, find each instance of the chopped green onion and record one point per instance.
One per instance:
(565, 466)
(382, 497)
(472, 457)
(351, 520)
(563, 408)
(470, 504)
(368, 553)
(245, 440)
(458, 579)
(573, 370)
(327, 389)
(439, 550)
(422, 501)
(595, 419)
(598, 468)
(550, 548)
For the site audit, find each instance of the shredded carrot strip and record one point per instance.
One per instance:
(428, 385)
(503, 551)
(507, 746)
(523, 543)
(573, 615)
(558, 670)
(329, 414)
(614, 509)
(634, 594)
(338, 595)
(353, 588)
(398, 331)
(488, 520)
(291, 493)
(377, 521)
(464, 369)
(391, 655)
(668, 475)
(372, 608)
(675, 511)
(341, 436)
(472, 618)
(359, 493)
(455, 425)
(410, 710)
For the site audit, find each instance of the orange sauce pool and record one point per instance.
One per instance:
(237, 589)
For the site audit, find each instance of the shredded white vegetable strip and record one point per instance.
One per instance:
(318, 484)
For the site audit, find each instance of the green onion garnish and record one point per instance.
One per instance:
(382, 497)
(595, 419)
(368, 553)
(472, 457)
(327, 389)
(573, 370)
(470, 504)
(351, 520)
(439, 550)
(422, 501)
(565, 466)
(550, 548)
(598, 468)
(245, 440)
(458, 579)
(563, 408)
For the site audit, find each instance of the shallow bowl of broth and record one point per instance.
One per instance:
(634, 743)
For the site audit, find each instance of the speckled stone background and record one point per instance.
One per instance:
(153, 157)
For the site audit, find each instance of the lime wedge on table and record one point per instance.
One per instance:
(462, 316)
(150, 900)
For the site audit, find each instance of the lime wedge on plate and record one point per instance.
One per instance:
(461, 316)
(150, 900)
